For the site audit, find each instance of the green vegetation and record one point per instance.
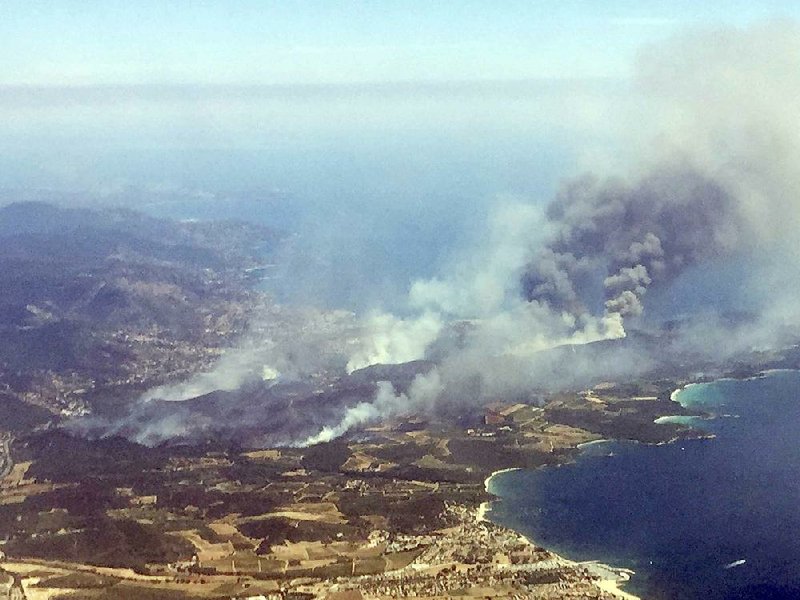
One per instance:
(277, 530)
(490, 455)
(418, 514)
(328, 457)
(62, 457)
(19, 417)
(77, 581)
(623, 419)
(105, 542)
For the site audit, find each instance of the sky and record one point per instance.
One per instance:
(542, 168)
(396, 124)
(82, 42)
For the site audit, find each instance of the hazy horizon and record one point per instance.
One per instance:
(384, 135)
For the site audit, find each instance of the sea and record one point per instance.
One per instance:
(712, 518)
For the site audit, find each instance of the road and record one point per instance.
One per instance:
(6, 464)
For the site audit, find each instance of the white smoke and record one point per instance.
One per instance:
(423, 393)
(726, 101)
(716, 172)
(482, 289)
(485, 278)
(392, 340)
(233, 368)
(282, 344)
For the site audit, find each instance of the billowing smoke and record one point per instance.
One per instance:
(711, 173)
(715, 174)
(393, 340)
(387, 403)
(635, 235)
(486, 340)
(283, 344)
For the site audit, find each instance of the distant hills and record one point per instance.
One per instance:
(100, 293)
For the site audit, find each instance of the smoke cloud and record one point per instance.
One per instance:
(637, 235)
(393, 340)
(387, 403)
(486, 340)
(288, 344)
(715, 176)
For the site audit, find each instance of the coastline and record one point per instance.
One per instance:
(609, 578)
(592, 443)
(676, 392)
(483, 508)
(487, 482)
(759, 375)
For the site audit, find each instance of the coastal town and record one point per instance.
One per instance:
(400, 512)
(112, 490)
(478, 558)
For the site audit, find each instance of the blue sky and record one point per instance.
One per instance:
(162, 104)
(267, 42)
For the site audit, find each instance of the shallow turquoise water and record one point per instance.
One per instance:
(679, 514)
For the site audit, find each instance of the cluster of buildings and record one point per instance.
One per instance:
(60, 392)
(478, 557)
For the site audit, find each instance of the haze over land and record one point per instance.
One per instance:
(708, 201)
(282, 285)
(474, 221)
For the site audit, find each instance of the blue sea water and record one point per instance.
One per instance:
(682, 515)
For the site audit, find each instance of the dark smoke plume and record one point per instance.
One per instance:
(713, 171)
(632, 236)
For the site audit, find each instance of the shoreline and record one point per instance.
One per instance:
(487, 482)
(610, 578)
(677, 391)
(591, 443)
(759, 375)
(484, 507)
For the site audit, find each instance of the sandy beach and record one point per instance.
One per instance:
(592, 443)
(612, 587)
(484, 506)
(674, 395)
(488, 480)
(610, 578)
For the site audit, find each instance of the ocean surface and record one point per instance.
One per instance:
(716, 518)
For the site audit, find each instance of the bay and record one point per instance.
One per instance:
(710, 519)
